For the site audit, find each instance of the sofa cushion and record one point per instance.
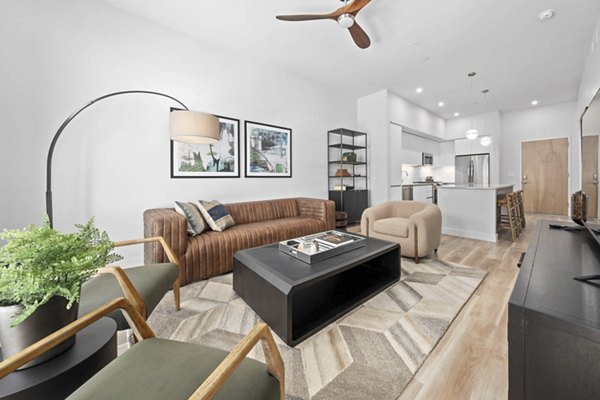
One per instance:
(163, 369)
(396, 226)
(216, 215)
(195, 222)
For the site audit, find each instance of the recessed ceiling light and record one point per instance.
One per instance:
(419, 90)
(547, 14)
(441, 104)
(534, 103)
(457, 114)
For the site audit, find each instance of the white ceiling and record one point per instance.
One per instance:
(516, 56)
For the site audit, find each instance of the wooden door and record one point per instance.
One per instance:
(589, 173)
(545, 176)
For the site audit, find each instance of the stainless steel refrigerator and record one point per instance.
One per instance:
(472, 169)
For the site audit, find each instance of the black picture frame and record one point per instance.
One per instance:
(273, 162)
(230, 166)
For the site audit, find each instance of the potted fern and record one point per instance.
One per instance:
(41, 272)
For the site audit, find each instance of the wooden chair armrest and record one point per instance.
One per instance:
(170, 254)
(274, 363)
(129, 291)
(137, 323)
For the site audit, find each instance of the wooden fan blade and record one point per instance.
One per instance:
(306, 17)
(359, 36)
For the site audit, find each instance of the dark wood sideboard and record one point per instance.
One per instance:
(554, 320)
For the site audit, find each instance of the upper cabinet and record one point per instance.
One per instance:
(414, 146)
(466, 146)
(446, 157)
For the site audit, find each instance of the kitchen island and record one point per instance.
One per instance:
(470, 210)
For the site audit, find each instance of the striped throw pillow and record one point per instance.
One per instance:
(216, 215)
(195, 223)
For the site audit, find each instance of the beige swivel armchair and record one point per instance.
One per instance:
(416, 226)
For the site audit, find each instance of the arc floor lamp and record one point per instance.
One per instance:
(184, 126)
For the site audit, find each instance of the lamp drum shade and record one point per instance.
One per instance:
(194, 127)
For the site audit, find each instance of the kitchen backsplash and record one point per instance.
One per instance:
(439, 174)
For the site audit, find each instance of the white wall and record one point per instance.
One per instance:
(113, 160)
(372, 118)
(381, 114)
(538, 123)
(414, 118)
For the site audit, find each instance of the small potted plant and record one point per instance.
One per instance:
(41, 272)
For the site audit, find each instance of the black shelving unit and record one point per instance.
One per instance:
(350, 192)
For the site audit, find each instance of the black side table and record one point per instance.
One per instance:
(57, 378)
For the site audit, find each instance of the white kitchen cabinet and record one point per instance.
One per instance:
(410, 157)
(446, 157)
(423, 193)
(466, 146)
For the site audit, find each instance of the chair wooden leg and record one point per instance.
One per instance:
(176, 294)
(416, 259)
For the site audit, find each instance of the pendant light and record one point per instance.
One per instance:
(472, 133)
(485, 140)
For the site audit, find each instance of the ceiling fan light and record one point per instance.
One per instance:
(486, 141)
(472, 134)
(346, 20)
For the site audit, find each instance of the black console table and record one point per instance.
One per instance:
(58, 377)
(554, 320)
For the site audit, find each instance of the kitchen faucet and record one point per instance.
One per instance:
(404, 172)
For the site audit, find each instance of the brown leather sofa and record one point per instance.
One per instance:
(256, 223)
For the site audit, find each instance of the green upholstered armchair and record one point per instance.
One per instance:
(164, 369)
(145, 285)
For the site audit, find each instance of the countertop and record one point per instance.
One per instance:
(477, 187)
(437, 183)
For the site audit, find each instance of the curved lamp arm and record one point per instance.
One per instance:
(64, 125)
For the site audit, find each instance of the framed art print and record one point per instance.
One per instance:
(268, 150)
(219, 160)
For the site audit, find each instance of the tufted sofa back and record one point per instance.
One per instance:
(258, 211)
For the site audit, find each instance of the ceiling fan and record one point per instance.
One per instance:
(345, 17)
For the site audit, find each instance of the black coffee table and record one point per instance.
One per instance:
(297, 299)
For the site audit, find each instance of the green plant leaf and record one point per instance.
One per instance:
(38, 263)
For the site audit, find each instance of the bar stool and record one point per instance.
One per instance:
(521, 208)
(513, 217)
(514, 221)
(500, 203)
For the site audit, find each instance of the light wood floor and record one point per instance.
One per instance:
(471, 360)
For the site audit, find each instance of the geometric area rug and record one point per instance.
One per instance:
(371, 353)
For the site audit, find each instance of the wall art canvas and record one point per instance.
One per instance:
(219, 160)
(268, 150)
